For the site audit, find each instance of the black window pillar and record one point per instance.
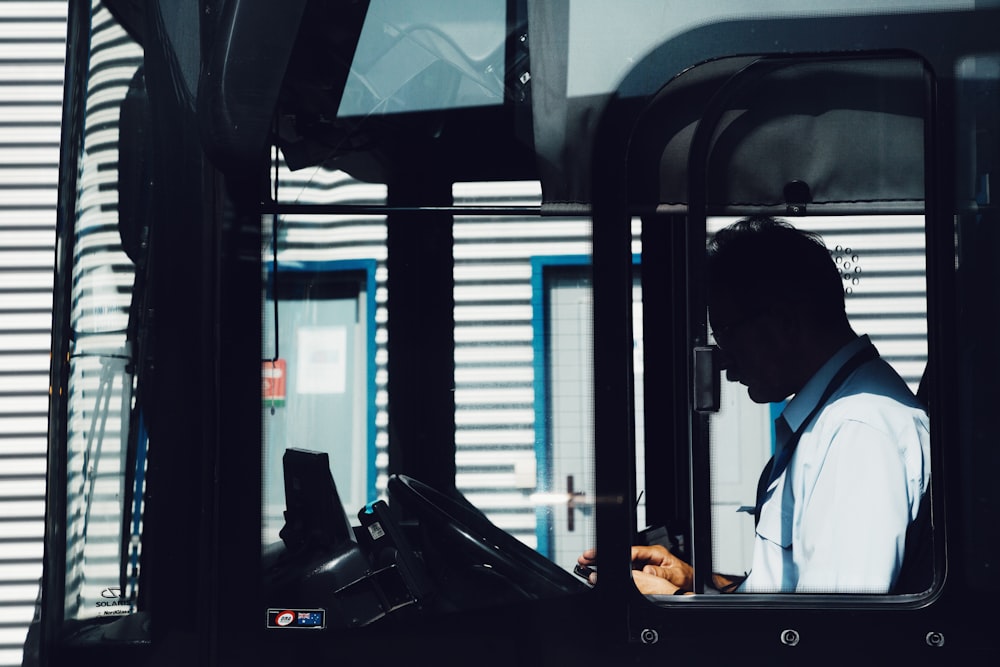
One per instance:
(421, 326)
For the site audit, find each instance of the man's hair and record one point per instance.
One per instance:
(762, 261)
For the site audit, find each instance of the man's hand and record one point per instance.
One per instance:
(656, 570)
(588, 559)
(656, 561)
(650, 584)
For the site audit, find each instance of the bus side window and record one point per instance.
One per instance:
(742, 144)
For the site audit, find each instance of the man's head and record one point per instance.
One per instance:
(776, 305)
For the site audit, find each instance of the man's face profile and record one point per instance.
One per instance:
(753, 345)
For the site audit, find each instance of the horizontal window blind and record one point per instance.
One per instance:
(32, 54)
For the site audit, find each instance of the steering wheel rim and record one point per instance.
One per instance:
(482, 543)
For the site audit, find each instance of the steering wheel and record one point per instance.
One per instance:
(473, 560)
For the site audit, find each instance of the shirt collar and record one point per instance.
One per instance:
(802, 404)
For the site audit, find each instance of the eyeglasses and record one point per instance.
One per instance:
(721, 333)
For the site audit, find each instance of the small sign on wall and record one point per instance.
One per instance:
(274, 379)
(322, 360)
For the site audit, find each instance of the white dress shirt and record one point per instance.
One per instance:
(836, 518)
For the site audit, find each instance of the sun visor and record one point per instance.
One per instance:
(786, 137)
(241, 78)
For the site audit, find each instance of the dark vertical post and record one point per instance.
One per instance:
(665, 374)
(421, 327)
(614, 414)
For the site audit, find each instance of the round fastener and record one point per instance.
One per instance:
(790, 637)
(649, 636)
(935, 639)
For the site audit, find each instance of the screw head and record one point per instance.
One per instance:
(935, 639)
(790, 637)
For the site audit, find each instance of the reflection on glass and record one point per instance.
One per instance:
(100, 385)
(427, 56)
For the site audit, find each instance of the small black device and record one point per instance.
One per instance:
(314, 514)
(584, 572)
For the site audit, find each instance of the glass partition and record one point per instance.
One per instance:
(103, 483)
(883, 264)
(522, 395)
(737, 138)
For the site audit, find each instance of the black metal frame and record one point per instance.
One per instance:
(897, 620)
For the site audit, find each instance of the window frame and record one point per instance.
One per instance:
(613, 147)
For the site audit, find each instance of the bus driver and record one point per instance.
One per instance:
(852, 445)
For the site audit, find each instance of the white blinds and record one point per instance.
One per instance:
(32, 53)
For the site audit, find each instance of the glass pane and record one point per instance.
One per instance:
(316, 319)
(99, 577)
(323, 353)
(882, 262)
(524, 340)
(326, 391)
(524, 400)
(569, 427)
(502, 466)
(427, 56)
(754, 154)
